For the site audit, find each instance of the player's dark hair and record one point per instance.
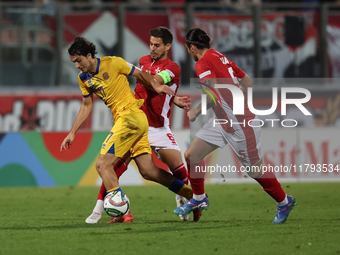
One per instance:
(162, 32)
(82, 47)
(199, 38)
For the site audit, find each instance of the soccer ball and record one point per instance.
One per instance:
(116, 203)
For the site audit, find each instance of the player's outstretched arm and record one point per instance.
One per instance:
(150, 82)
(195, 112)
(182, 102)
(83, 113)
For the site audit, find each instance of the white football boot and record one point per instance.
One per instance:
(94, 218)
(182, 201)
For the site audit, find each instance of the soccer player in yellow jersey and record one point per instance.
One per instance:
(106, 77)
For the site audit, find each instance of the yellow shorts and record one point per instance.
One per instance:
(130, 133)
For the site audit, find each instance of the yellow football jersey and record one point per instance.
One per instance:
(110, 84)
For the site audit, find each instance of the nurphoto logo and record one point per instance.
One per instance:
(238, 104)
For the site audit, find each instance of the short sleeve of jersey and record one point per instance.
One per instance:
(86, 91)
(204, 71)
(239, 73)
(122, 66)
(174, 71)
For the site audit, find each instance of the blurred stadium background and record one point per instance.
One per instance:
(278, 44)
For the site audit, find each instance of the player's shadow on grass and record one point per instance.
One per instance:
(179, 225)
(80, 225)
(172, 225)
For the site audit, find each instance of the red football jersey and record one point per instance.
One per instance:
(214, 65)
(156, 106)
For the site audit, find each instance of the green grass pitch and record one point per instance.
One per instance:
(51, 221)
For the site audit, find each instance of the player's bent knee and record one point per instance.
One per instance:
(146, 175)
(256, 170)
(100, 166)
(149, 173)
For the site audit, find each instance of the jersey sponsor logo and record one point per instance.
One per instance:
(105, 76)
(158, 69)
(129, 65)
(204, 74)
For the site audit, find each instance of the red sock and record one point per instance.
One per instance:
(120, 167)
(196, 176)
(181, 173)
(271, 185)
(102, 192)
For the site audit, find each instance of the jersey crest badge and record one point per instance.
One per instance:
(105, 76)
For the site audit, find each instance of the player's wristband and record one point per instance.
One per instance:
(165, 75)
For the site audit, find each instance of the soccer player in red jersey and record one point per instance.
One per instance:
(157, 109)
(243, 139)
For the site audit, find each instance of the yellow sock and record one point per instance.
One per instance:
(116, 188)
(185, 191)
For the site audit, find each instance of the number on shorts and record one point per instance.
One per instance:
(172, 138)
(242, 154)
(111, 133)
